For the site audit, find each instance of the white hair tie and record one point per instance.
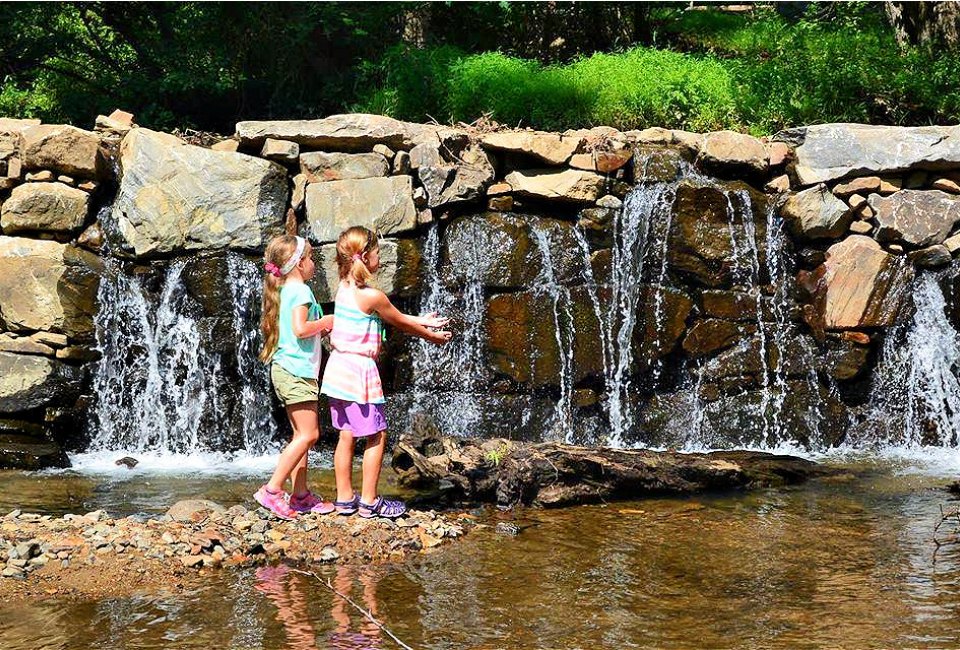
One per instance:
(295, 258)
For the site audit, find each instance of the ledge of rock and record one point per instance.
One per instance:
(384, 205)
(28, 381)
(349, 132)
(570, 185)
(550, 474)
(833, 151)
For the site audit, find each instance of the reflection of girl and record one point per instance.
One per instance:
(282, 587)
(368, 633)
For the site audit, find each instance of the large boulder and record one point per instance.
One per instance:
(834, 151)
(48, 286)
(815, 213)
(400, 272)
(61, 148)
(29, 381)
(522, 337)
(728, 152)
(174, 197)
(350, 132)
(859, 285)
(44, 207)
(663, 313)
(569, 185)
(381, 204)
(915, 217)
(318, 166)
(551, 148)
(509, 251)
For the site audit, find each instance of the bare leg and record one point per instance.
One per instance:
(306, 431)
(298, 477)
(343, 466)
(372, 462)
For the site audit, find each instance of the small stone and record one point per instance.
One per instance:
(856, 201)
(280, 150)
(896, 249)
(191, 561)
(860, 227)
(14, 168)
(78, 353)
(401, 163)
(12, 572)
(230, 146)
(328, 554)
(44, 176)
(96, 515)
(88, 186)
(499, 188)
(420, 197)
(866, 213)
(66, 180)
(864, 185)
(889, 186)
(425, 216)
(500, 203)
(609, 201)
(779, 152)
(167, 538)
(953, 243)
(275, 535)
(242, 524)
(779, 184)
(123, 117)
(946, 185)
(27, 550)
(13, 514)
(384, 151)
(508, 528)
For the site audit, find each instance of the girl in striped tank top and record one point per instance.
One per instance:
(351, 379)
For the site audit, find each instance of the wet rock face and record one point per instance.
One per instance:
(178, 197)
(860, 285)
(701, 246)
(502, 251)
(400, 273)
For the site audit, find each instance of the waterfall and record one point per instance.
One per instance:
(916, 394)
(449, 380)
(160, 386)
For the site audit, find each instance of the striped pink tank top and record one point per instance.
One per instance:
(351, 373)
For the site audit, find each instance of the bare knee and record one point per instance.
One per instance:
(376, 439)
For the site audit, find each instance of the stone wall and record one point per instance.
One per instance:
(529, 221)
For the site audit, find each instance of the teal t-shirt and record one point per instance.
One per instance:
(299, 357)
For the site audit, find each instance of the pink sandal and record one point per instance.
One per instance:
(310, 502)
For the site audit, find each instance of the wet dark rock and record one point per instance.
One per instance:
(28, 446)
(931, 257)
(712, 335)
(654, 164)
(127, 461)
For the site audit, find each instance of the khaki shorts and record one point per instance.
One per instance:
(292, 389)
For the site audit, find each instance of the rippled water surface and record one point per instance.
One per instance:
(844, 563)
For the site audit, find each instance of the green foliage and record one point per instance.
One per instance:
(546, 65)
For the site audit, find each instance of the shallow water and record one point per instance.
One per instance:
(846, 563)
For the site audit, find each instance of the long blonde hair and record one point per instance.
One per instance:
(353, 243)
(278, 253)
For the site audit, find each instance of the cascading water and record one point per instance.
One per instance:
(153, 384)
(158, 389)
(448, 380)
(916, 394)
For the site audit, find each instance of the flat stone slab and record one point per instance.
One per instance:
(833, 151)
(44, 207)
(349, 132)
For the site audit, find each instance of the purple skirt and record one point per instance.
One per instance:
(359, 419)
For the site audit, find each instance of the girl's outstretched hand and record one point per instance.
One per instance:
(439, 337)
(433, 320)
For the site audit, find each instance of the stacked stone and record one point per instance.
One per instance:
(50, 176)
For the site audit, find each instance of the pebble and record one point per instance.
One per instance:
(328, 554)
(508, 528)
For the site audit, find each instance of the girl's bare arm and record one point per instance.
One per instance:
(370, 300)
(304, 329)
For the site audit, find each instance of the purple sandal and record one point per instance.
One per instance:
(383, 508)
(347, 507)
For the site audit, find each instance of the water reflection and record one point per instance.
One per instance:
(827, 565)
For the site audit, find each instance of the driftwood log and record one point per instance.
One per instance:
(508, 473)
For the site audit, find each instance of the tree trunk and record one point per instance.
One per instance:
(930, 24)
(509, 473)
